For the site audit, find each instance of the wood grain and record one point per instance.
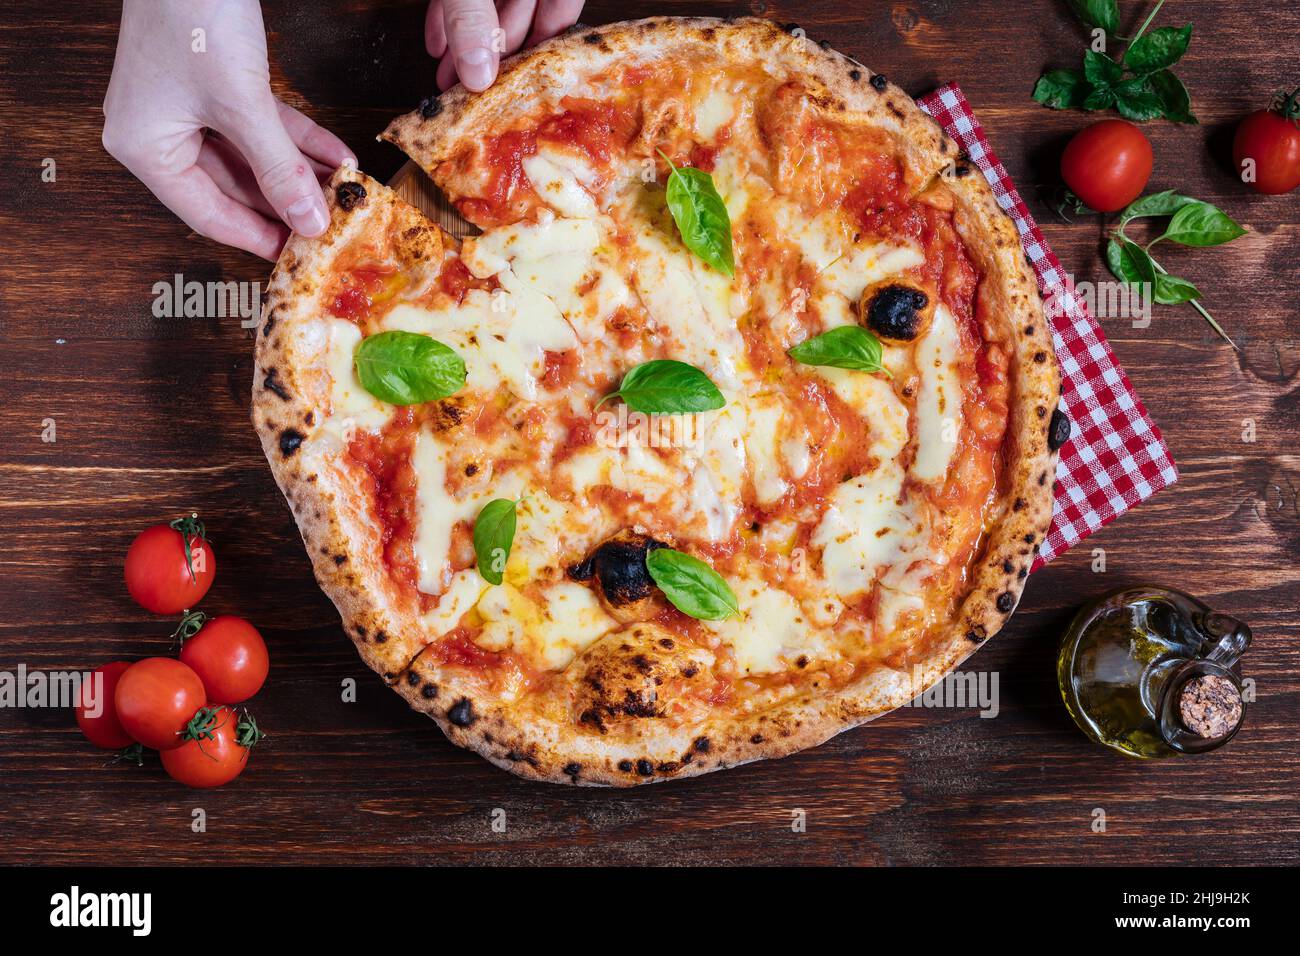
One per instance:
(152, 420)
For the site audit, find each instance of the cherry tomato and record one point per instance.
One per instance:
(212, 754)
(230, 658)
(159, 576)
(156, 698)
(1107, 165)
(1270, 140)
(103, 729)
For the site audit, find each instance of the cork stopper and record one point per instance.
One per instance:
(1210, 706)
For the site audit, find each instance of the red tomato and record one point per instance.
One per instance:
(156, 698)
(1270, 141)
(104, 729)
(211, 755)
(157, 573)
(1107, 165)
(230, 658)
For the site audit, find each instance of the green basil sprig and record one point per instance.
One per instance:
(701, 215)
(1191, 223)
(494, 536)
(666, 386)
(846, 346)
(407, 368)
(692, 586)
(1139, 84)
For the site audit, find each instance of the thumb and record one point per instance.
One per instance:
(283, 174)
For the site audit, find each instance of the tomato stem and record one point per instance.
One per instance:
(191, 623)
(247, 733)
(203, 726)
(130, 754)
(190, 528)
(1288, 104)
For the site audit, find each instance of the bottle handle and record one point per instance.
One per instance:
(1231, 637)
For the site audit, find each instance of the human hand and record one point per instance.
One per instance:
(470, 36)
(190, 112)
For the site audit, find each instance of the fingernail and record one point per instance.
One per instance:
(475, 68)
(307, 216)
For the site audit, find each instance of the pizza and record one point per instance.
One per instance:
(729, 428)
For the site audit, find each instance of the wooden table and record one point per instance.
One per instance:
(152, 421)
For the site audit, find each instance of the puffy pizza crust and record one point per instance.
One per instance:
(342, 539)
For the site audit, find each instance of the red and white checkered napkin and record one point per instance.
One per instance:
(1115, 457)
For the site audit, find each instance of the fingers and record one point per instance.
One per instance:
(227, 169)
(516, 17)
(553, 17)
(193, 196)
(284, 175)
(313, 139)
(435, 34)
(473, 48)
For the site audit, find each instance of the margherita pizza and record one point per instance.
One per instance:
(727, 432)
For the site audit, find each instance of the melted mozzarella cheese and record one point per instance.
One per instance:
(764, 415)
(690, 303)
(462, 594)
(713, 111)
(561, 259)
(560, 179)
(867, 525)
(503, 336)
(872, 397)
(351, 406)
(938, 404)
(438, 511)
(769, 631)
(568, 620)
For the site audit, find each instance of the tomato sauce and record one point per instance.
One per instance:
(356, 289)
(392, 482)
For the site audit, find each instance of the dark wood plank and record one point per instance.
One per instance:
(152, 421)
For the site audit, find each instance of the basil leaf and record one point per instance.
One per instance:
(1174, 97)
(1098, 13)
(1158, 49)
(1130, 262)
(692, 586)
(1157, 204)
(406, 368)
(1201, 224)
(667, 386)
(701, 216)
(1100, 98)
(1100, 70)
(494, 534)
(1061, 89)
(1136, 100)
(846, 346)
(1171, 290)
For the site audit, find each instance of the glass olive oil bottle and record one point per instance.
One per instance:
(1153, 672)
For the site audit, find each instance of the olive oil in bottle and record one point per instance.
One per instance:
(1153, 672)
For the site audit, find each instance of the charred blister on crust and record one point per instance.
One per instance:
(271, 382)
(1058, 430)
(349, 195)
(290, 439)
(462, 713)
(430, 106)
(895, 311)
(619, 569)
(879, 82)
(1006, 602)
(632, 676)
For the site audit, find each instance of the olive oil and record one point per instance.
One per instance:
(1153, 672)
